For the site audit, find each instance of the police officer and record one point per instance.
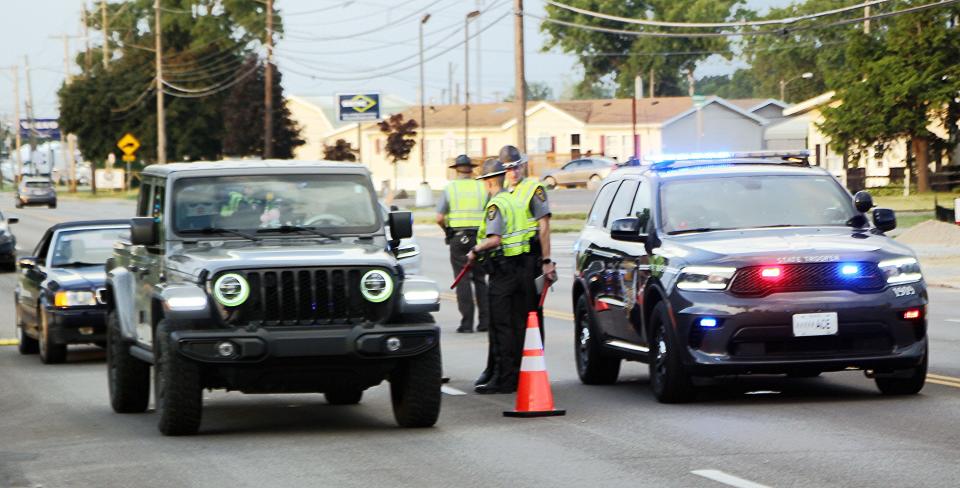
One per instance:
(502, 247)
(532, 196)
(459, 214)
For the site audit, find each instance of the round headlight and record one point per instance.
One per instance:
(376, 286)
(231, 290)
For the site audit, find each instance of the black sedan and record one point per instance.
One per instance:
(8, 243)
(59, 293)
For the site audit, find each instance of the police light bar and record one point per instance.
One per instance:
(791, 156)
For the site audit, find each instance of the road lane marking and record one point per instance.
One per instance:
(449, 390)
(953, 320)
(943, 377)
(9, 342)
(727, 479)
(943, 383)
(554, 314)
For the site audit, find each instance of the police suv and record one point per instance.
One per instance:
(717, 264)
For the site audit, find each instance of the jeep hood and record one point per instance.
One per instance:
(193, 260)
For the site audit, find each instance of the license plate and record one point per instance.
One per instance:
(815, 324)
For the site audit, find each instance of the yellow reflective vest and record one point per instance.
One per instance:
(524, 192)
(513, 242)
(466, 199)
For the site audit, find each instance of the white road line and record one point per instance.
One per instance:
(953, 320)
(449, 390)
(727, 479)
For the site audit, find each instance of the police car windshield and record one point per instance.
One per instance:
(744, 202)
(274, 203)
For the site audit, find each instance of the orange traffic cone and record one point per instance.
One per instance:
(534, 397)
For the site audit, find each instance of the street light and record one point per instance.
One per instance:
(783, 84)
(466, 80)
(424, 196)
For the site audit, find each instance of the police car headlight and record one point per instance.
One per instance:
(705, 278)
(376, 286)
(74, 299)
(901, 270)
(231, 290)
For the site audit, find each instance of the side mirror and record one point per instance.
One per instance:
(628, 230)
(884, 219)
(26, 263)
(143, 231)
(12, 220)
(401, 225)
(863, 201)
(394, 208)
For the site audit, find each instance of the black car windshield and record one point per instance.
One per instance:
(85, 247)
(333, 204)
(741, 202)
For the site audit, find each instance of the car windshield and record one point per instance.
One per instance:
(740, 202)
(86, 247)
(298, 204)
(38, 184)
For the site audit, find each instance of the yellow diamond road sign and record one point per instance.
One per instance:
(128, 144)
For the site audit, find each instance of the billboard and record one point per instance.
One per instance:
(358, 107)
(41, 128)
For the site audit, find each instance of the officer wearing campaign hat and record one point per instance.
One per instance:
(459, 214)
(501, 248)
(533, 198)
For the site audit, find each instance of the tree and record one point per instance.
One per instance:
(400, 140)
(341, 150)
(620, 57)
(536, 90)
(740, 84)
(897, 83)
(243, 117)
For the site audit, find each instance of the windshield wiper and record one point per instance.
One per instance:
(221, 230)
(698, 229)
(287, 229)
(76, 264)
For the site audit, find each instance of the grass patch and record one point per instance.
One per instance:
(64, 193)
(907, 220)
(915, 202)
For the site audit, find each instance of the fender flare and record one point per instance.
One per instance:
(120, 284)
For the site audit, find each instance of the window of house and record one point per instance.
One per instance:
(574, 139)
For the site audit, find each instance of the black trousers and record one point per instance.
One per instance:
(510, 296)
(534, 270)
(472, 285)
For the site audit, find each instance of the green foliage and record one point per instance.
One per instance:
(341, 150)
(243, 112)
(741, 84)
(619, 57)
(205, 46)
(536, 90)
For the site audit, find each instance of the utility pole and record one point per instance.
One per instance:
(479, 90)
(161, 115)
(268, 88)
(423, 110)
(466, 80)
(30, 120)
(866, 19)
(66, 151)
(691, 83)
(16, 121)
(87, 60)
(106, 32)
(450, 83)
(637, 94)
(520, 82)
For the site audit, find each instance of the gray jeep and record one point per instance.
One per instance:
(267, 277)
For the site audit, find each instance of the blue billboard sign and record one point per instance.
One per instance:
(40, 128)
(358, 107)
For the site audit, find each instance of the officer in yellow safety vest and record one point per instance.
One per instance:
(533, 198)
(459, 214)
(502, 249)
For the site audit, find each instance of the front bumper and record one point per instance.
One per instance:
(78, 326)
(279, 343)
(755, 335)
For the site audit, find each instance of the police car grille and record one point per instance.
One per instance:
(808, 277)
(289, 297)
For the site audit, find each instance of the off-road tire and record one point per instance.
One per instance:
(343, 397)
(177, 389)
(593, 367)
(415, 390)
(128, 378)
(668, 379)
(18, 204)
(50, 353)
(910, 385)
(26, 344)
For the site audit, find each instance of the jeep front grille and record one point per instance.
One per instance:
(311, 296)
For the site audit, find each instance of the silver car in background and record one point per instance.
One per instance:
(588, 172)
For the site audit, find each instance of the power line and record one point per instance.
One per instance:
(385, 26)
(660, 23)
(207, 91)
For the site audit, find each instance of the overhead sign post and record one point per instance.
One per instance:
(359, 108)
(129, 145)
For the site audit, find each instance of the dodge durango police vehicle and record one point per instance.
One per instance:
(267, 277)
(719, 264)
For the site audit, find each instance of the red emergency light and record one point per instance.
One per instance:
(912, 314)
(772, 273)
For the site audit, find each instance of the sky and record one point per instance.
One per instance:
(322, 41)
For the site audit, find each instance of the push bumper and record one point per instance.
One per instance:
(78, 326)
(357, 343)
(755, 335)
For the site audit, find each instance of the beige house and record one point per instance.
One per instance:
(556, 132)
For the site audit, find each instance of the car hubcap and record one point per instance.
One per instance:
(661, 359)
(584, 343)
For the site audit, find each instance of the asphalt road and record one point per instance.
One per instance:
(57, 429)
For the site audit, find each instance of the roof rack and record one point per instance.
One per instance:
(663, 161)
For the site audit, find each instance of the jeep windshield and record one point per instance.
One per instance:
(314, 204)
(756, 201)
